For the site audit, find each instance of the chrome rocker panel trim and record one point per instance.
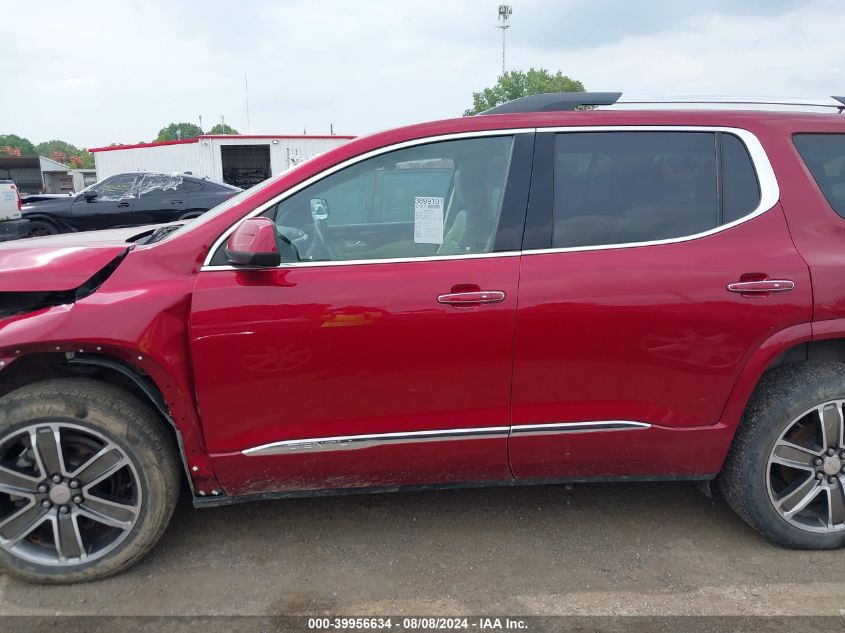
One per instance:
(356, 442)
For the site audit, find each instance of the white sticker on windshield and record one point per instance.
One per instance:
(428, 220)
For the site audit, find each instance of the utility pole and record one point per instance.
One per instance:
(200, 123)
(505, 11)
(246, 94)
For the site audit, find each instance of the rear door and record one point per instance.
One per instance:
(371, 357)
(161, 198)
(656, 262)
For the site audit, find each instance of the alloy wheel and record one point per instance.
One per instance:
(68, 495)
(806, 470)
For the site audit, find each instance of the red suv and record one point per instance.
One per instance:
(542, 293)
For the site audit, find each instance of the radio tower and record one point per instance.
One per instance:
(505, 11)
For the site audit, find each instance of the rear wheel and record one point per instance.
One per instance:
(88, 480)
(40, 228)
(785, 474)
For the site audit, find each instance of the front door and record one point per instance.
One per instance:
(380, 353)
(630, 332)
(110, 208)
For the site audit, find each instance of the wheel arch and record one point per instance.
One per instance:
(40, 216)
(112, 369)
(806, 342)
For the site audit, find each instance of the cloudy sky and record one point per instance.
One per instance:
(98, 72)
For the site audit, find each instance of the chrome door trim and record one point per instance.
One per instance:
(577, 427)
(355, 442)
(769, 191)
(358, 262)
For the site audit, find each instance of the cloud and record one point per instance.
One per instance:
(369, 66)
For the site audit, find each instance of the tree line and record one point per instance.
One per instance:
(80, 158)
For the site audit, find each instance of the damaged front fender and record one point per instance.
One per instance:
(23, 301)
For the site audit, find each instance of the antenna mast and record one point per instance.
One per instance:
(505, 11)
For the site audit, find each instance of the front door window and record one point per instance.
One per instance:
(429, 200)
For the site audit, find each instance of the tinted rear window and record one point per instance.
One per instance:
(623, 187)
(824, 155)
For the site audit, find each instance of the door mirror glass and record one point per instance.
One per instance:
(319, 209)
(253, 244)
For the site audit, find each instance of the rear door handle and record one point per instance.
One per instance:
(472, 298)
(123, 204)
(763, 286)
(175, 202)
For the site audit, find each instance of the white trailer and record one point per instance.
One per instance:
(241, 160)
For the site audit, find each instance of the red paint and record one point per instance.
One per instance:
(281, 136)
(647, 334)
(254, 237)
(27, 267)
(365, 350)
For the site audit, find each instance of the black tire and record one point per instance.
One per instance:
(41, 228)
(783, 396)
(133, 428)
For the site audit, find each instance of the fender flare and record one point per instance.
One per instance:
(148, 387)
(760, 360)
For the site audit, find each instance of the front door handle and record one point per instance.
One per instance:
(473, 298)
(123, 205)
(761, 287)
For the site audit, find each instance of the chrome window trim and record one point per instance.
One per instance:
(769, 188)
(356, 442)
(769, 191)
(207, 266)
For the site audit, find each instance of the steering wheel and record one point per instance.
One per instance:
(321, 245)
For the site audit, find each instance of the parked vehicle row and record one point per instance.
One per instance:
(11, 224)
(132, 199)
(531, 295)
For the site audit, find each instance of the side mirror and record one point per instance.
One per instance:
(253, 244)
(319, 209)
(89, 196)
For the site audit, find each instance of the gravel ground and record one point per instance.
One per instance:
(638, 549)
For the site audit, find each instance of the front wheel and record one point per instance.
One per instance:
(88, 480)
(785, 474)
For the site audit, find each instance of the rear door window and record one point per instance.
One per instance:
(740, 189)
(613, 188)
(824, 155)
(624, 187)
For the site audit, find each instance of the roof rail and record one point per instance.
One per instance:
(567, 101)
(555, 102)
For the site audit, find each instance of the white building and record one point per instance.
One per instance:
(241, 160)
(39, 174)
